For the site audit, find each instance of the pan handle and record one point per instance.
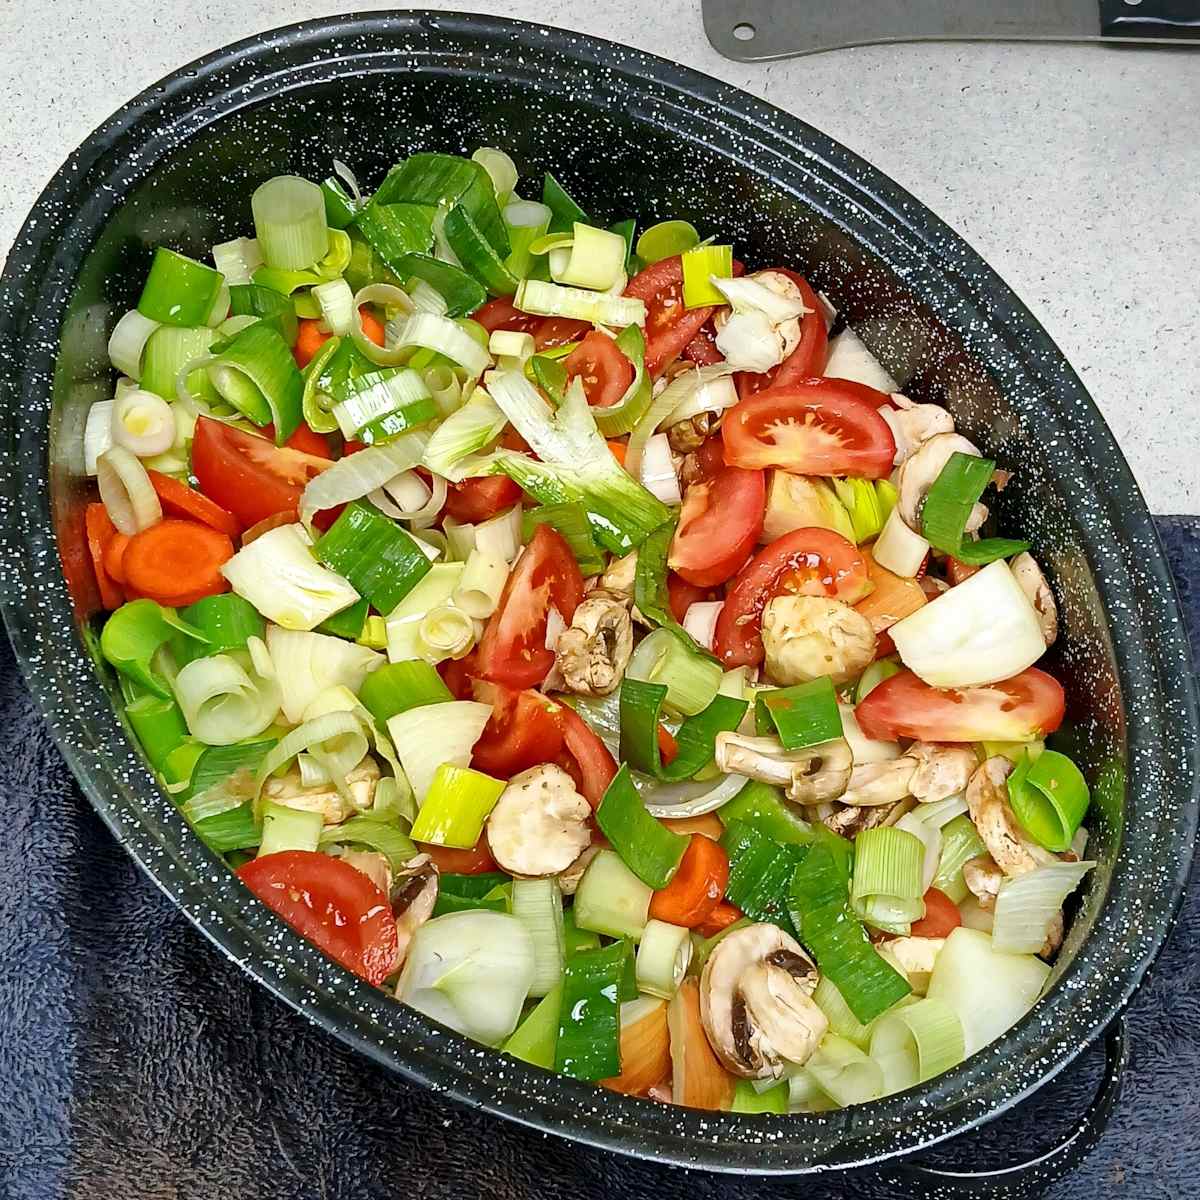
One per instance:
(1157, 20)
(1028, 1179)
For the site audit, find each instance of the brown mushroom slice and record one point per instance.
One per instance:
(942, 770)
(850, 821)
(413, 896)
(880, 783)
(593, 652)
(809, 776)
(987, 801)
(983, 879)
(756, 1002)
(1033, 583)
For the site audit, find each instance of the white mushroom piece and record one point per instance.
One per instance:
(413, 896)
(942, 770)
(806, 637)
(373, 865)
(756, 1002)
(767, 307)
(692, 432)
(593, 652)
(913, 424)
(987, 800)
(919, 473)
(1033, 583)
(851, 820)
(539, 826)
(880, 783)
(324, 798)
(808, 776)
(983, 879)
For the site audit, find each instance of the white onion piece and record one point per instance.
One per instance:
(127, 344)
(675, 801)
(898, 549)
(127, 492)
(359, 474)
(863, 749)
(982, 631)
(700, 621)
(143, 423)
(747, 294)
(97, 434)
(714, 395)
(658, 470)
(749, 342)
(1028, 904)
(850, 359)
(555, 625)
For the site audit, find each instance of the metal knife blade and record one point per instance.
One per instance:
(759, 30)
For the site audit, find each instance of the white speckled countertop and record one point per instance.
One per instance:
(1073, 170)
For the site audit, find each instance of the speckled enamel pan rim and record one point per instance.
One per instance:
(1118, 536)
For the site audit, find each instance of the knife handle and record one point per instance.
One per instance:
(1158, 20)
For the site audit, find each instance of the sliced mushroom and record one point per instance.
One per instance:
(915, 956)
(912, 425)
(373, 865)
(879, 783)
(810, 776)
(539, 826)
(756, 1002)
(987, 800)
(850, 821)
(324, 797)
(568, 880)
(691, 433)
(1033, 583)
(594, 651)
(942, 770)
(806, 637)
(413, 895)
(1054, 936)
(983, 879)
(918, 473)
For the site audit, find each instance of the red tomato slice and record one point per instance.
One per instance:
(702, 349)
(522, 732)
(552, 332)
(682, 595)
(807, 360)
(605, 371)
(513, 648)
(458, 674)
(941, 916)
(818, 427)
(587, 759)
(477, 499)
(337, 907)
(718, 526)
(808, 562)
(1026, 706)
(249, 476)
(501, 313)
(669, 326)
(306, 440)
(476, 861)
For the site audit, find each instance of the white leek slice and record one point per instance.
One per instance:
(238, 259)
(500, 536)
(278, 574)
(97, 434)
(712, 395)
(472, 428)
(930, 836)
(915, 1042)
(538, 905)
(552, 300)
(444, 336)
(126, 491)
(483, 580)
(850, 359)
(690, 798)
(700, 621)
(595, 259)
(1027, 905)
(508, 343)
(221, 703)
(357, 475)
(445, 632)
(127, 344)
(434, 588)
(306, 664)
(433, 734)
(336, 302)
(657, 470)
(662, 958)
(898, 549)
(989, 991)
(844, 1072)
(982, 631)
(143, 423)
(426, 298)
(471, 971)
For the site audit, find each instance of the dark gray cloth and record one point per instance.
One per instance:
(135, 1061)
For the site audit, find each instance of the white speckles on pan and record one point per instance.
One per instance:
(634, 136)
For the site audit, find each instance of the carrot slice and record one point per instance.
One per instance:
(645, 1049)
(312, 337)
(698, 1079)
(100, 531)
(891, 598)
(179, 500)
(668, 747)
(177, 562)
(114, 556)
(698, 886)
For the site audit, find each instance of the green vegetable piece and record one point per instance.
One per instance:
(646, 846)
(234, 829)
(462, 293)
(349, 623)
(364, 830)
(225, 767)
(763, 807)
(627, 229)
(948, 505)
(760, 872)
(802, 715)
(134, 634)
(395, 231)
(650, 584)
(227, 623)
(536, 1038)
(665, 240)
(340, 207)
(1050, 797)
(571, 521)
(269, 306)
(159, 726)
(397, 687)
(179, 290)
(548, 372)
(256, 373)
(747, 1100)
(576, 939)
(564, 211)
(589, 1029)
(476, 253)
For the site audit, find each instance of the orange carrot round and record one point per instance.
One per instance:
(618, 450)
(179, 500)
(177, 562)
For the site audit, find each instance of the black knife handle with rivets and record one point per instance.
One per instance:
(1153, 19)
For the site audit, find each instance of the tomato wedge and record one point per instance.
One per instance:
(605, 371)
(334, 905)
(1026, 706)
(552, 332)
(480, 498)
(307, 441)
(100, 533)
(248, 475)
(501, 313)
(669, 325)
(522, 732)
(702, 349)
(697, 887)
(818, 427)
(476, 861)
(806, 562)
(807, 361)
(718, 526)
(681, 595)
(721, 917)
(585, 757)
(513, 648)
(941, 916)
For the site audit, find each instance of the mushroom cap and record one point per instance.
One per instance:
(593, 652)
(1033, 583)
(806, 637)
(539, 825)
(918, 473)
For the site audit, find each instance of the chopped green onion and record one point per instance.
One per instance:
(460, 292)
(552, 300)
(179, 290)
(286, 828)
(615, 420)
(446, 337)
(336, 303)
(274, 279)
(802, 715)
(159, 726)
(861, 501)
(537, 903)
(1026, 905)
(132, 636)
(760, 871)
(589, 1030)
(844, 1073)
(571, 521)
(252, 300)
(349, 623)
(699, 265)
(691, 679)
(874, 675)
(1050, 797)
(626, 229)
(641, 712)
(222, 777)
(819, 905)
(456, 806)
(536, 1037)
(747, 1100)
(256, 373)
(841, 1020)
(576, 939)
(472, 428)
(650, 592)
(526, 222)
(340, 207)
(381, 560)
(646, 846)
(550, 375)
(492, 891)
(397, 687)
(500, 168)
(948, 505)
(475, 251)
(666, 240)
(289, 222)
(611, 899)
(662, 958)
(564, 211)
(916, 1042)
(960, 843)
(233, 829)
(226, 622)
(762, 807)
